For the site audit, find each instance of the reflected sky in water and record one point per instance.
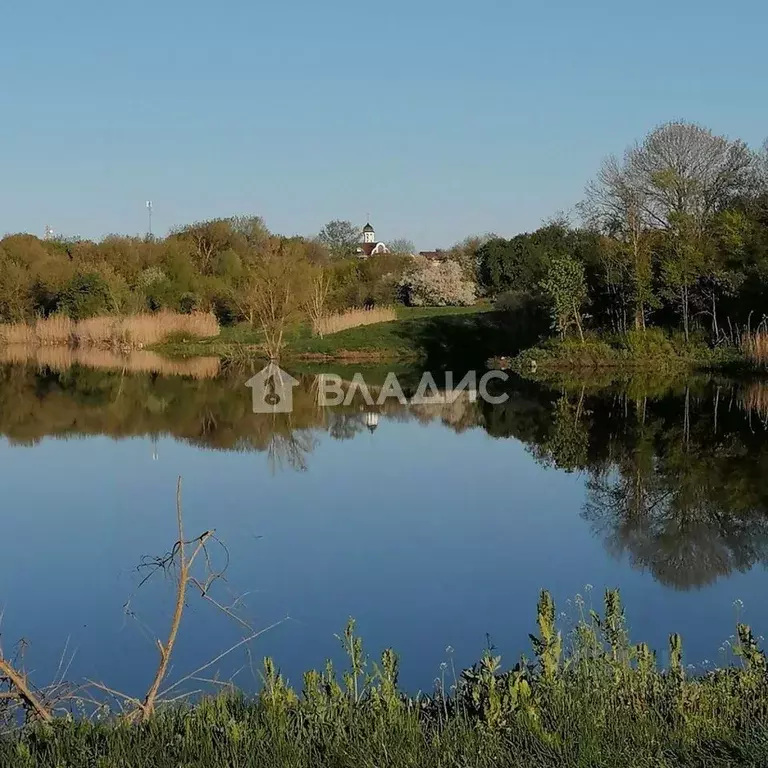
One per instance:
(429, 536)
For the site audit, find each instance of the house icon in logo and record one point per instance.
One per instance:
(272, 390)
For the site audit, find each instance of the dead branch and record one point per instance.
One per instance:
(23, 691)
(147, 706)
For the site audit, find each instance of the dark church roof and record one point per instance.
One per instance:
(368, 228)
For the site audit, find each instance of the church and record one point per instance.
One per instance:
(369, 246)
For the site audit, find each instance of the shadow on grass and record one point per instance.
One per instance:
(457, 342)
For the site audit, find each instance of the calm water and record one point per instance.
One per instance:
(436, 529)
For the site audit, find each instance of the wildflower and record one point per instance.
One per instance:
(449, 649)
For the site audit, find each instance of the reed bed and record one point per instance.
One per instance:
(134, 331)
(62, 358)
(352, 319)
(754, 345)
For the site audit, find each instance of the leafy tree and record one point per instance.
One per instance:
(466, 253)
(516, 264)
(85, 295)
(566, 286)
(682, 264)
(341, 238)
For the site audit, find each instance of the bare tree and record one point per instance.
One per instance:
(402, 245)
(274, 292)
(615, 204)
(319, 286)
(684, 169)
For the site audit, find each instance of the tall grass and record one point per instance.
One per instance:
(588, 697)
(130, 331)
(352, 319)
(754, 345)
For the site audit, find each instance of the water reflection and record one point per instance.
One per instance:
(676, 469)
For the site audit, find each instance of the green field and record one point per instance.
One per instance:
(420, 333)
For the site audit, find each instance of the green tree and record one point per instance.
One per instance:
(682, 264)
(341, 238)
(566, 286)
(86, 295)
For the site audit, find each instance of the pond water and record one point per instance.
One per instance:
(436, 528)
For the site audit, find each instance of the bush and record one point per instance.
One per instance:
(651, 342)
(85, 295)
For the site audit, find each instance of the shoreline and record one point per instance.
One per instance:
(584, 696)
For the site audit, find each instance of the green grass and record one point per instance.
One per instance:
(399, 340)
(635, 349)
(588, 697)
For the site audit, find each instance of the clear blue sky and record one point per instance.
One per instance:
(440, 118)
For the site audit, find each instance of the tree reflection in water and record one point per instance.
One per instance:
(676, 469)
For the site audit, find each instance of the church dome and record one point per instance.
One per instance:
(368, 228)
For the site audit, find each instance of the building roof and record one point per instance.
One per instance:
(368, 228)
(368, 249)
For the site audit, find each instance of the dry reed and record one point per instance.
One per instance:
(352, 319)
(755, 346)
(130, 331)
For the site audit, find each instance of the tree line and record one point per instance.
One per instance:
(233, 267)
(673, 234)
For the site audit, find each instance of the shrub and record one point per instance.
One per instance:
(85, 295)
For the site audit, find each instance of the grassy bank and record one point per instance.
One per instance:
(637, 350)
(587, 698)
(417, 333)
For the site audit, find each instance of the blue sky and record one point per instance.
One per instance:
(439, 118)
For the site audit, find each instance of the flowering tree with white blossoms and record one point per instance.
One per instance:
(438, 285)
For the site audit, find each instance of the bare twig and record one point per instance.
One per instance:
(218, 658)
